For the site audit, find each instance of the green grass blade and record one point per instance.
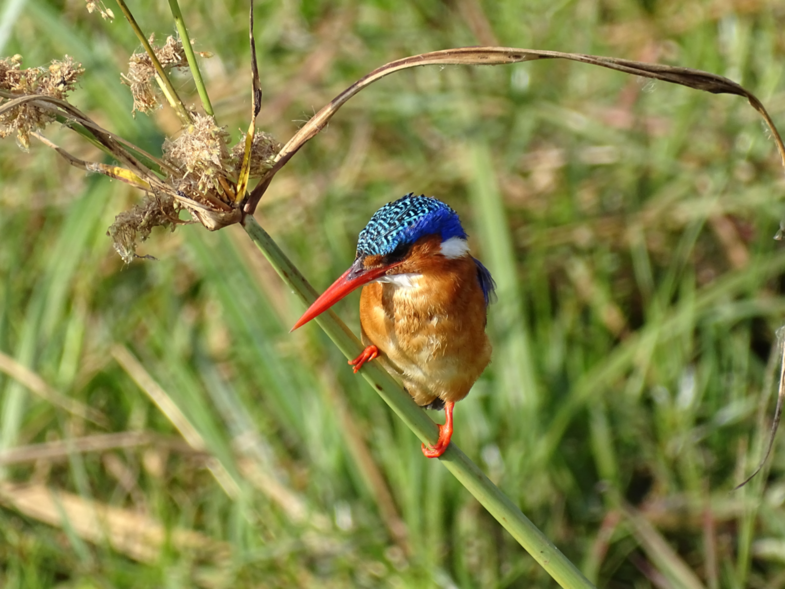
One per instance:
(193, 65)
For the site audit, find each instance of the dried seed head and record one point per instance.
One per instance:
(263, 150)
(57, 81)
(106, 13)
(200, 152)
(131, 227)
(9, 64)
(141, 71)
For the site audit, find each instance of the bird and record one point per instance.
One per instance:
(423, 306)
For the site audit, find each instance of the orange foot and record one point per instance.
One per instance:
(445, 434)
(368, 354)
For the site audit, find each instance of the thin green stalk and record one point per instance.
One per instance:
(161, 77)
(191, 57)
(468, 474)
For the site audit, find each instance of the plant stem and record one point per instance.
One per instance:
(468, 474)
(140, 154)
(161, 77)
(193, 65)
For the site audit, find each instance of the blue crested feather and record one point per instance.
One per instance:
(487, 283)
(406, 220)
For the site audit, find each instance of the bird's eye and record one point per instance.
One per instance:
(398, 254)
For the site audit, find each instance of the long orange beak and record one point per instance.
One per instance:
(351, 280)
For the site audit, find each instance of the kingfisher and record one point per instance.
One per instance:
(423, 305)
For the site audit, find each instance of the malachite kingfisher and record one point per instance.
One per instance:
(423, 304)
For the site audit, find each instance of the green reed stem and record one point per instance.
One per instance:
(193, 65)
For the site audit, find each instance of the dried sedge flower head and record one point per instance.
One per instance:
(57, 81)
(141, 71)
(106, 13)
(263, 150)
(130, 227)
(200, 152)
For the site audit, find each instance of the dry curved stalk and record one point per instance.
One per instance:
(108, 140)
(115, 172)
(777, 356)
(691, 78)
(256, 106)
(213, 214)
(37, 385)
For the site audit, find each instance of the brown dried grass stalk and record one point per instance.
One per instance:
(691, 78)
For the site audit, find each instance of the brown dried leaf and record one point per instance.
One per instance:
(777, 357)
(112, 144)
(58, 450)
(37, 385)
(136, 535)
(256, 105)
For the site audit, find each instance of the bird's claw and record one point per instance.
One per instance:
(445, 435)
(369, 353)
(434, 451)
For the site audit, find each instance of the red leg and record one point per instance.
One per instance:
(368, 354)
(445, 434)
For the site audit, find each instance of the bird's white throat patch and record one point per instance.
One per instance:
(455, 247)
(409, 280)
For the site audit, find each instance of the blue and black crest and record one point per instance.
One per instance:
(405, 221)
(409, 218)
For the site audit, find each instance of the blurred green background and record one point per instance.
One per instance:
(628, 225)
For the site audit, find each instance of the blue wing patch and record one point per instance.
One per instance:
(487, 283)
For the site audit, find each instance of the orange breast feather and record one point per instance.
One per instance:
(432, 332)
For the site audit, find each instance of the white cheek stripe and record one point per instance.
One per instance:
(455, 247)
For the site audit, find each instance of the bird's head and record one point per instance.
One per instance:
(402, 237)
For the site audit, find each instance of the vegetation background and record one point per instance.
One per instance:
(169, 432)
